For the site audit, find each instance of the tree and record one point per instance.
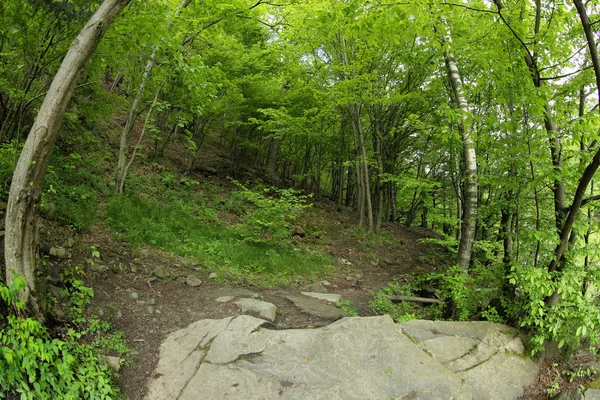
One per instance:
(21, 226)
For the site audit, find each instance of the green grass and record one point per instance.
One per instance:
(184, 225)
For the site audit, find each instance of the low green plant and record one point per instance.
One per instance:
(348, 308)
(75, 296)
(34, 365)
(402, 311)
(574, 318)
(185, 225)
(272, 213)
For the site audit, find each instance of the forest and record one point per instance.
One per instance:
(208, 128)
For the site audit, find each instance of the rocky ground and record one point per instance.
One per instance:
(148, 294)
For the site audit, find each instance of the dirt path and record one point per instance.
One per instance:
(147, 309)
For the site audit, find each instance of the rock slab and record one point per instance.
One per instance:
(488, 356)
(316, 308)
(354, 358)
(330, 297)
(266, 310)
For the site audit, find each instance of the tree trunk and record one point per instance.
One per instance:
(469, 216)
(133, 114)
(272, 157)
(21, 231)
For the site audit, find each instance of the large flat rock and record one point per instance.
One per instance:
(353, 358)
(488, 356)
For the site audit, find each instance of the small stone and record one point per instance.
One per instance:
(358, 277)
(69, 243)
(325, 283)
(117, 269)
(315, 288)
(255, 296)
(213, 275)
(113, 363)
(134, 295)
(151, 310)
(193, 281)
(298, 231)
(119, 314)
(151, 301)
(132, 267)
(59, 252)
(266, 310)
(225, 299)
(100, 312)
(162, 273)
(100, 268)
(140, 302)
(349, 278)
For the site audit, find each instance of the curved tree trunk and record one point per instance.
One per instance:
(26, 187)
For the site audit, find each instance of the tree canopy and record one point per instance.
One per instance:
(475, 119)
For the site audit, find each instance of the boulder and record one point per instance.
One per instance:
(317, 287)
(298, 231)
(354, 358)
(316, 308)
(59, 252)
(162, 273)
(489, 357)
(111, 362)
(264, 309)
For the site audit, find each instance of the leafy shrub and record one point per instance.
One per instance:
(71, 192)
(402, 311)
(575, 316)
(271, 217)
(37, 366)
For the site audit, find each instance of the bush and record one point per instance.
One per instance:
(71, 192)
(37, 366)
(271, 215)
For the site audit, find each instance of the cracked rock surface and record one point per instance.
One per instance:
(353, 358)
(488, 356)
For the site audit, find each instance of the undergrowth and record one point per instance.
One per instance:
(36, 363)
(177, 218)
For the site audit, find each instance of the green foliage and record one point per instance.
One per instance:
(348, 308)
(9, 153)
(75, 295)
(569, 321)
(71, 192)
(174, 218)
(36, 366)
(402, 311)
(270, 218)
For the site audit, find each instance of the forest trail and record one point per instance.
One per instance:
(144, 292)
